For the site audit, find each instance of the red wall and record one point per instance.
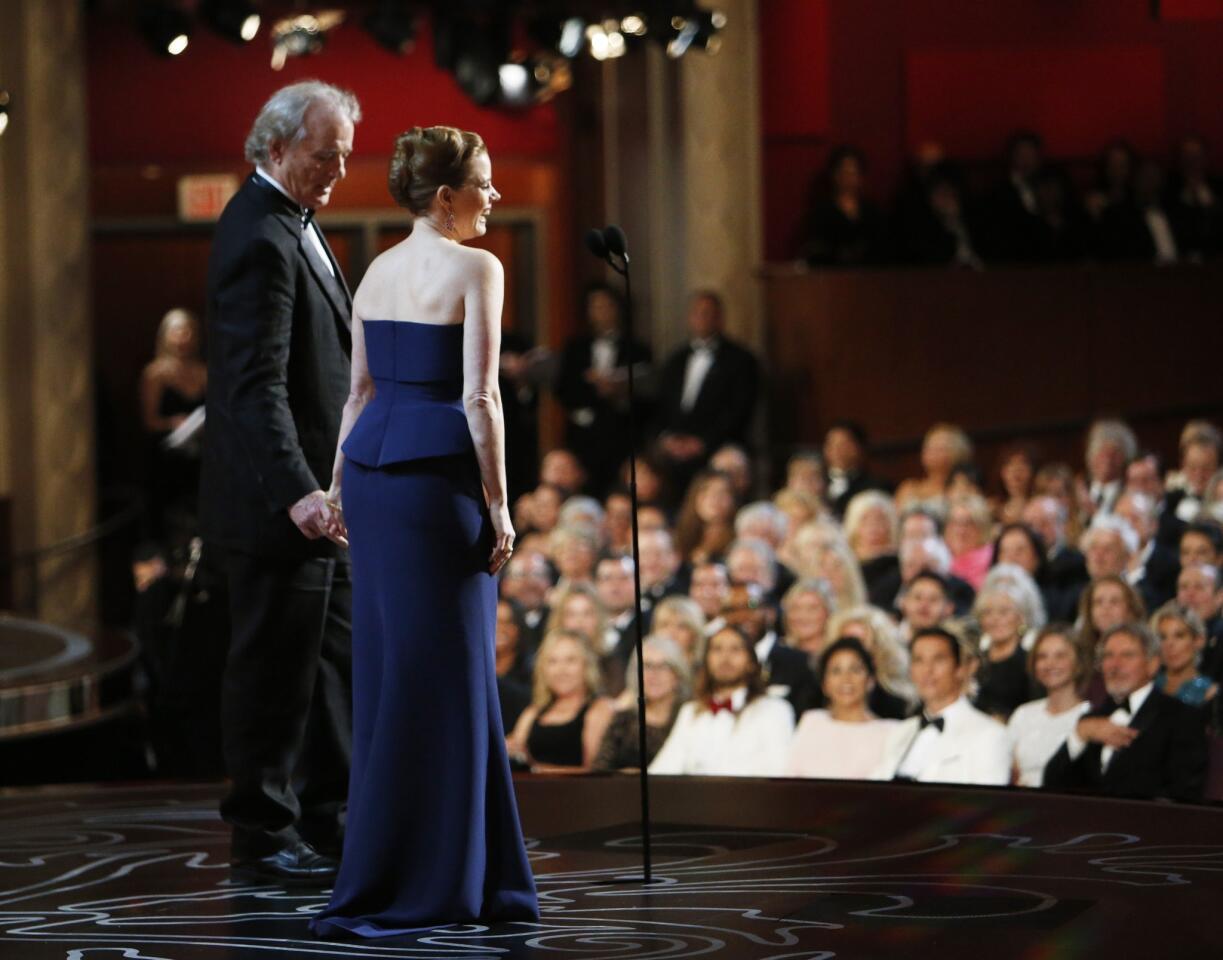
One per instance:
(885, 75)
(198, 106)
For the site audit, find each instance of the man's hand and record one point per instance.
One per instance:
(313, 518)
(1104, 731)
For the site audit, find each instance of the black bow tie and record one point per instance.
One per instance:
(307, 218)
(1122, 703)
(936, 722)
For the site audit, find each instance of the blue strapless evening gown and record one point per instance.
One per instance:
(433, 835)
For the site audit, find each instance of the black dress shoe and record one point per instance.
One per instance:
(296, 863)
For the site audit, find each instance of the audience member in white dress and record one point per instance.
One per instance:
(846, 740)
(731, 727)
(1038, 729)
(950, 741)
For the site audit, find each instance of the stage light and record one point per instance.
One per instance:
(573, 34)
(698, 29)
(393, 24)
(165, 28)
(634, 25)
(536, 80)
(4, 103)
(605, 40)
(235, 20)
(302, 35)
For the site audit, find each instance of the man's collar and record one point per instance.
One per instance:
(950, 711)
(262, 173)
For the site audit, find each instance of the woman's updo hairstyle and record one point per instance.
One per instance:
(426, 158)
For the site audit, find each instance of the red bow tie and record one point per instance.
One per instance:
(718, 704)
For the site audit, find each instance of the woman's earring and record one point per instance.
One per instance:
(450, 223)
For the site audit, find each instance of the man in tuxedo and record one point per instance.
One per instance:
(845, 459)
(1153, 568)
(1111, 445)
(592, 386)
(526, 580)
(1066, 573)
(1139, 743)
(706, 394)
(785, 668)
(614, 584)
(663, 573)
(279, 340)
(1014, 221)
(949, 741)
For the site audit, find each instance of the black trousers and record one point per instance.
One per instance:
(286, 701)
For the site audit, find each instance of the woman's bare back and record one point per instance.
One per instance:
(423, 278)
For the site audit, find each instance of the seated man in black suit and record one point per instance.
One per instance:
(1153, 568)
(845, 456)
(706, 393)
(1142, 742)
(746, 607)
(1066, 573)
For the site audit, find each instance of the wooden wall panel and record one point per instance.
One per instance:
(1005, 354)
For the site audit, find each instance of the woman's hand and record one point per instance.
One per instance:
(336, 528)
(503, 538)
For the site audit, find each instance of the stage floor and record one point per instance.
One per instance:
(753, 869)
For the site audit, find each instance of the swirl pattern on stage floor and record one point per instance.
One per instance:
(779, 869)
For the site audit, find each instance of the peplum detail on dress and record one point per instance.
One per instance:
(417, 410)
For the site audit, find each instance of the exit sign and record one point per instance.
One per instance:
(203, 197)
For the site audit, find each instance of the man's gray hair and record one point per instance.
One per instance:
(762, 510)
(1116, 432)
(283, 116)
(1139, 631)
(1109, 523)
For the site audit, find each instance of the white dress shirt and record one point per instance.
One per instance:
(699, 362)
(311, 231)
(1036, 735)
(603, 354)
(1122, 716)
(1104, 495)
(972, 748)
(1161, 235)
(751, 741)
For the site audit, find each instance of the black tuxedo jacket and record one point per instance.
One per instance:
(1168, 758)
(791, 667)
(572, 389)
(723, 409)
(279, 340)
(858, 482)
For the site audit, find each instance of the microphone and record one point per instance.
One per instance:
(596, 243)
(616, 242)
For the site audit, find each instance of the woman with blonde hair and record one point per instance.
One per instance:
(668, 686)
(561, 730)
(968, 534)
(807, 543)
(1002, 681)
(893, 695)
(681, 620)
(1182, 637)
(807, 606)
(838, 567)
(944, 447)
(800, 509)
(872, 532)
(1058, 663)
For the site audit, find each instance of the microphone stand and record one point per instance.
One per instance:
(600, 245)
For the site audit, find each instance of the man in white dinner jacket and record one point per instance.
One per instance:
(731, 727)
(949, 741)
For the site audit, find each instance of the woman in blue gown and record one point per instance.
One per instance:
(433, 835)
